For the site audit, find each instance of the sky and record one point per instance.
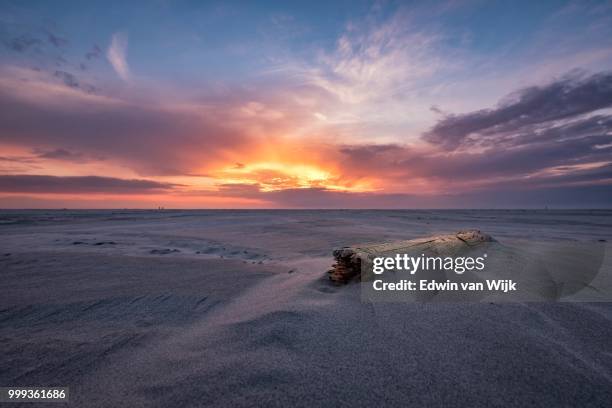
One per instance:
(283, 104)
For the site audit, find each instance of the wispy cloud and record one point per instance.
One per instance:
(117, 55)
(377, 63)
(376, 77)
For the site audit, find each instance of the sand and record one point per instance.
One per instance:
(230, 308)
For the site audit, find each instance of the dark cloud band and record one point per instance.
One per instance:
(81, 184)
(567, 98)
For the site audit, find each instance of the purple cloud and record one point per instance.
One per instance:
(567, 98)
(20, 183)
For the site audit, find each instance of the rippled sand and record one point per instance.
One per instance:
(230, 308)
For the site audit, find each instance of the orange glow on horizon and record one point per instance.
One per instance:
(276, 175)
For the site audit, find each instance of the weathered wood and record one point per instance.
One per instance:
(350, 260)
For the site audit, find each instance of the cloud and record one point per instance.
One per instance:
(510, 196)
(378, 60)
(434, 170)
(370, 81)
(79, 184)
(68, 78)
(150, 138)
(17, 159)
(56, 41)
(21, 43)
(566, 98)
(556, 135)
(60, 154)
(117, 55)
(71, 80)
(94, 52)
(19, 164)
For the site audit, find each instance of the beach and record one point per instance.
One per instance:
(233, 308)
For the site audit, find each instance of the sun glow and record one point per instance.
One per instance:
(275, 176)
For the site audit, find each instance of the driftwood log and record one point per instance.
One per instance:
(349, 261)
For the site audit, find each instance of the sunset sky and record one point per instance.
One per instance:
(331, 104)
